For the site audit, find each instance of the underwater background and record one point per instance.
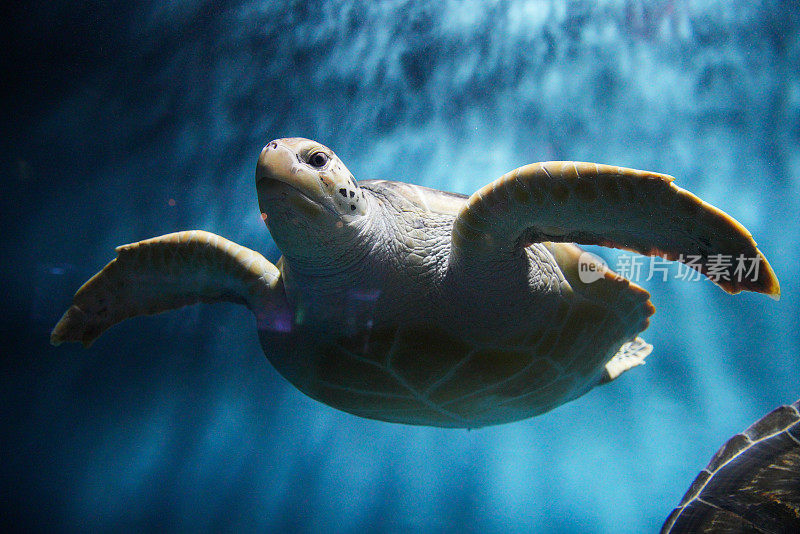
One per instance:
(126, 120)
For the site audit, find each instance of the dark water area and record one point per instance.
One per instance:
(123, 121)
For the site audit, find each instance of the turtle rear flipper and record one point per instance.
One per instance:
(164, 273)
(630, 355)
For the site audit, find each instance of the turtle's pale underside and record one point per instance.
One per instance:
(408, 304)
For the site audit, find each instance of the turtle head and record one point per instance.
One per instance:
(308, 198)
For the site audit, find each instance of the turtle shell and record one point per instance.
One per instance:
(429, 374)
(752, 483)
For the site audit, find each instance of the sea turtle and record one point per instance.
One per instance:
(407, 304)
(752, 483)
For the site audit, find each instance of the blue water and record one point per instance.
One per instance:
(123, 121)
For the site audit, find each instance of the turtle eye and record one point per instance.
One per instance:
(318, 159)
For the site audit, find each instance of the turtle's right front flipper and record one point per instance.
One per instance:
(593, 204)
(168, 272)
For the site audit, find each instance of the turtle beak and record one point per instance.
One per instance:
(280, 161)
(274, 162)
(281, 177)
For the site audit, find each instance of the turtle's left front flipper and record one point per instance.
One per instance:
(168, 272)
(591, 204)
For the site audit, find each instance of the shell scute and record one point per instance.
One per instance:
(481, 368)
(544, 398)
(356, 401)
(537, 374)
(424, 355)
(338, 365)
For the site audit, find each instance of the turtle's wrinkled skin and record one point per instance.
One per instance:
(407, 304)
